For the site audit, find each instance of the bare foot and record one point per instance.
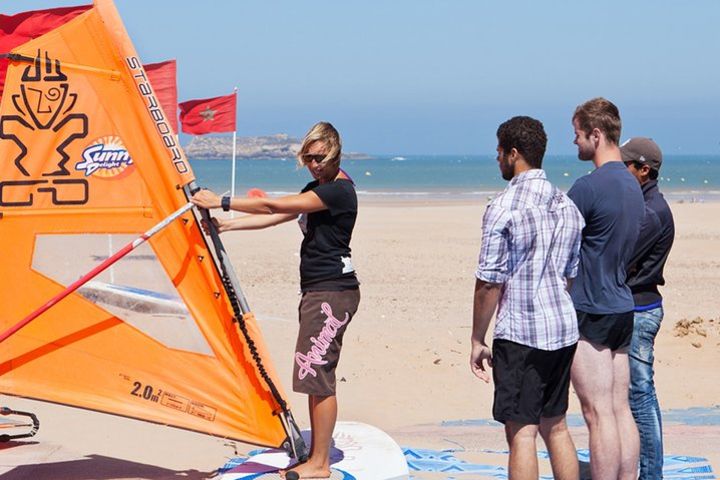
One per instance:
(305, 470)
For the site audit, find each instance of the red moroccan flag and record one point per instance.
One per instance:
(208, 115)
(22, 27)
(162, 76)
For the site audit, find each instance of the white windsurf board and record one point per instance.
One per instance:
(359, 452)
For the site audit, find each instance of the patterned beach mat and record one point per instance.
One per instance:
(676, 467)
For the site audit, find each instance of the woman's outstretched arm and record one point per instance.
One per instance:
(307, 202)
(251, 222)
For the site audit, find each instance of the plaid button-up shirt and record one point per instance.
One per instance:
(531, 244)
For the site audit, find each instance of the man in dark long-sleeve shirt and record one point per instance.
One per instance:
(643, 159)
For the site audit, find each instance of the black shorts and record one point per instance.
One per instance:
(324, 316)
(530, 383)
(612, 330)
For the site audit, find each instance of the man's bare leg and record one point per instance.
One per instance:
(523, 462)
(563, 456)
(629, 436)
(592, 377)
(323, 414)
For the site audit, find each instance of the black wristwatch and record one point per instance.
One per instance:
(225, 202)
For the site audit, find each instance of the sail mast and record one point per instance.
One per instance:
(295, 444)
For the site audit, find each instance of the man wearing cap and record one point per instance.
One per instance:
(643, 159)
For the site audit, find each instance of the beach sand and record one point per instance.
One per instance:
(404, 365)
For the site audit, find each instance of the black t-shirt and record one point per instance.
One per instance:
(325, 261)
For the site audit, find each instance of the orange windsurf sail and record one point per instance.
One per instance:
(88, 161)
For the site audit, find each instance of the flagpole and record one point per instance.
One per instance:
(232, 184)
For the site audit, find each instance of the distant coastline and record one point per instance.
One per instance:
(685, 178)
(268, 147)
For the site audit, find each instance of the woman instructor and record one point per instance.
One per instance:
(326, 210)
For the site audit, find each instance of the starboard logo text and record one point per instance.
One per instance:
(106, 157)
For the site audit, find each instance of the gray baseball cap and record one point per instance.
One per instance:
(642, 150)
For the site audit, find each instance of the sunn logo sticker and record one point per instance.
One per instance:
(106, 158)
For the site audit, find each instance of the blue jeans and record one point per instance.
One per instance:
(643, 400)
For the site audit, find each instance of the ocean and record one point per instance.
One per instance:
(687, 178)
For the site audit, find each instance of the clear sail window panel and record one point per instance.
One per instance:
(136, 289)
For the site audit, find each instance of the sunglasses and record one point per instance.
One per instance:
(637, 165)
(311, 157)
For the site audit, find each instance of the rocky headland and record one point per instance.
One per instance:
(279, 145)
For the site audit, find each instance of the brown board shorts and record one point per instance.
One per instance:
(324, 316)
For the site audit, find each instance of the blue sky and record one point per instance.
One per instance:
(420, 76)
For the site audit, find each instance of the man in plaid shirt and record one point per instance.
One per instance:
(530, 250)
